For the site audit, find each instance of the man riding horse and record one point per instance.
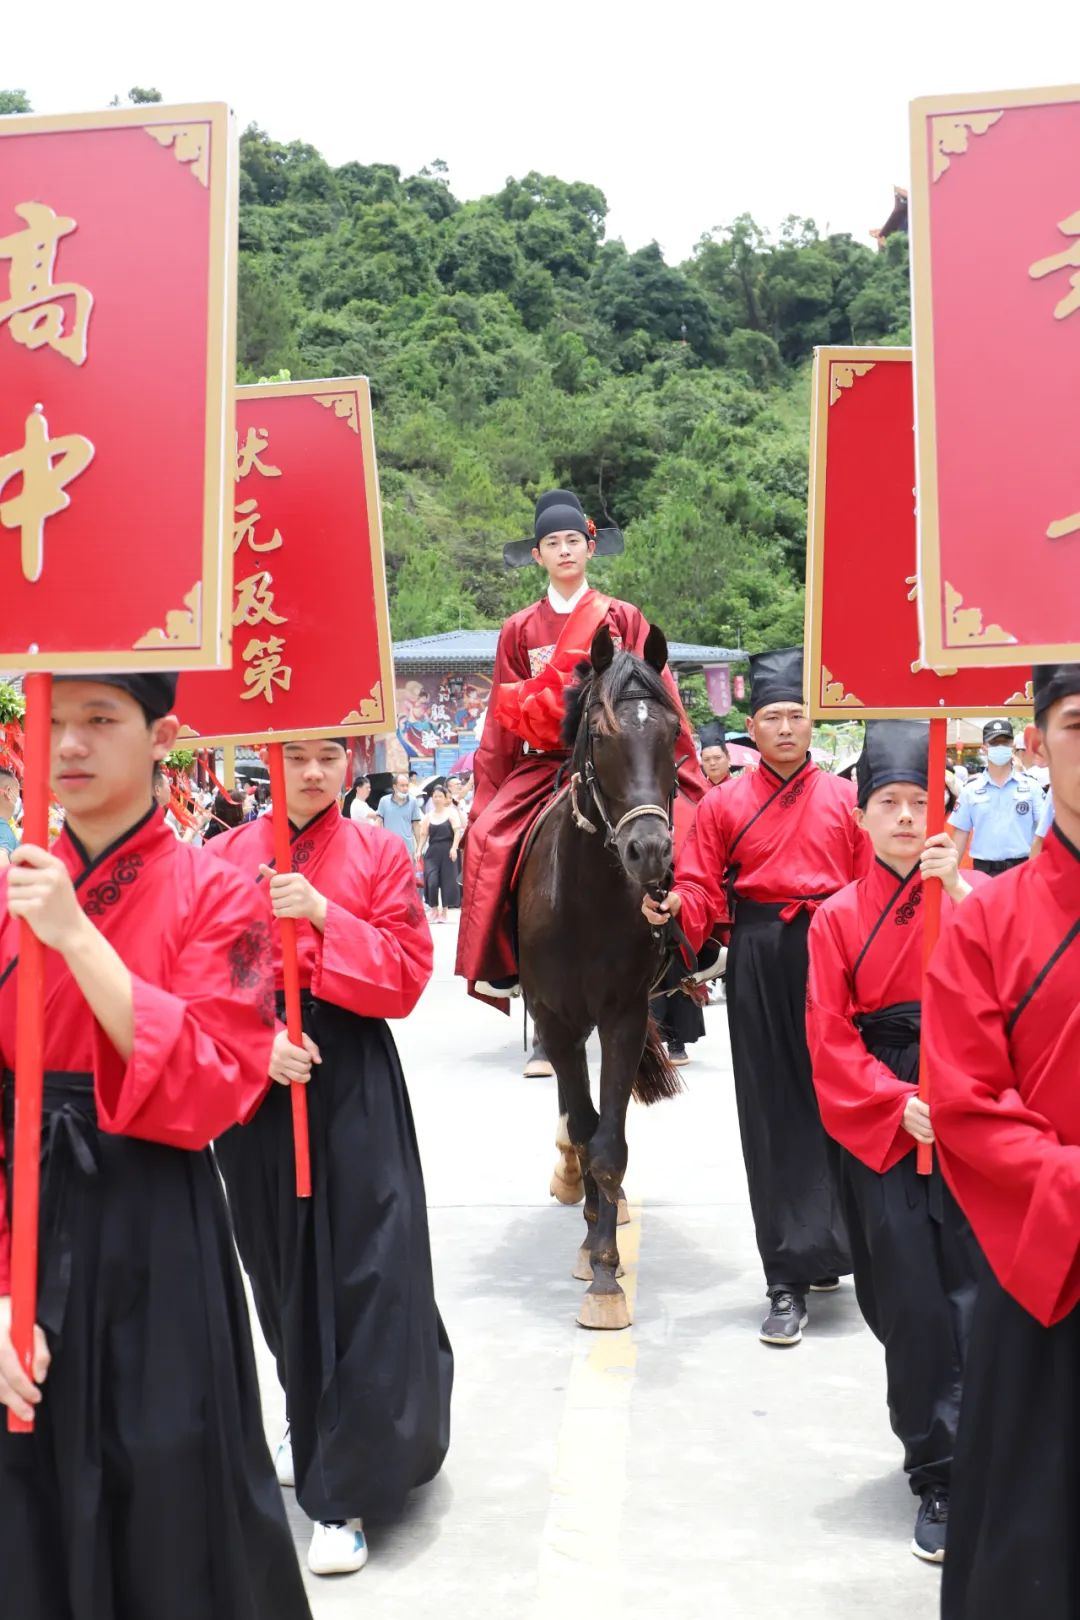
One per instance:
(521, 751)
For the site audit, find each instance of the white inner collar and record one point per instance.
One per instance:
(566, 604)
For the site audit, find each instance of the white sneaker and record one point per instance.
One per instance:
(283, 1463)
(337, 1549)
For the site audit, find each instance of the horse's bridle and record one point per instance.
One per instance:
(587, 779)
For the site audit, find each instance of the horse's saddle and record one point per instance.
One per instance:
(531, 831)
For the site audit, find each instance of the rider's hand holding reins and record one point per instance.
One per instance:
(660, 912)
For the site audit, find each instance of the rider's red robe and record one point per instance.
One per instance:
(512, 782)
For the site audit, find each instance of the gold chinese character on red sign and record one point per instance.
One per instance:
(34, 307)
(266, 668)
(1067, 259)
(46, 467)
(255, 601)
(248, 453)
(247, 516)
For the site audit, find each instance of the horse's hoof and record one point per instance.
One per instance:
(606, 1312)
(566, 1190)
(583, 1271)
(623, 1216)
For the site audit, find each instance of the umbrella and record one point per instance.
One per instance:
(463, 763)
(740, 755)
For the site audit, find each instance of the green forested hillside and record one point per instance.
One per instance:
(511, 346)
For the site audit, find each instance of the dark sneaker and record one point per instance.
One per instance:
(786, 1319)
(677, 1053)
(825, 1285)
(931, 1523)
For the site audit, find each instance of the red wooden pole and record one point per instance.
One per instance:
(29, 1045)
(935, 823)
(290, 969)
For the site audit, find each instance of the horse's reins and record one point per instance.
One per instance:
(671, 932)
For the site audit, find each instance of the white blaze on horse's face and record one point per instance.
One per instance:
(642, 712)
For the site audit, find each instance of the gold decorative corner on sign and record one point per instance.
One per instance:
(190, 144)
(184, 733)
(182, 625)
(344, 406)
(913, 581)
(951, 133)
(833, 695)
(370, 709)
(964, 625)
(843, 376)
(1026, 696)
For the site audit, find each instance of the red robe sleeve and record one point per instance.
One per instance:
(1014, 1178)
(699, 872)
(201, 1058)
(499, 749)
(862, 1102)
(377, 965)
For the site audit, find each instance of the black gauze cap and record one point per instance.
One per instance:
(994, 729)
(893, 751)
(154, 693)
(558, 510)
(712, 734)
(1052, 682)
(776, 677)
(554, 519)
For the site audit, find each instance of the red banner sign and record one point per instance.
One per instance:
(996, 266)
(862, 632)
(311, 653)
(117, 295)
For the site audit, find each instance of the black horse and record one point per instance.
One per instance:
(588, 957)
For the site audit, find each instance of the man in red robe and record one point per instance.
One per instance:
(521, 751)
(1002, 1029)
(146, 1487)
(914, 1256)
(765, 849)
(342, 1281)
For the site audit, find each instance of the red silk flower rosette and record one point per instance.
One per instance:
(533, 709)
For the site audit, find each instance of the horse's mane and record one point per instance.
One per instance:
(626, 676)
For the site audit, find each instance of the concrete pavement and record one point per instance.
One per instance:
(680, 1467)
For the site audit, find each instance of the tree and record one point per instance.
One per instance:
(138, 97)
(511, 348)
(14, 101)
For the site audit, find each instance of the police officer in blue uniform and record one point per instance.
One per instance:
(999, 809)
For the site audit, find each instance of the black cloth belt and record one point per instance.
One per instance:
(890, 1027)
(69, 1141)
(762, 911)
(995, 868)
(891, 1034)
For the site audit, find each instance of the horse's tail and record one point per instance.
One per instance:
(656, 1078)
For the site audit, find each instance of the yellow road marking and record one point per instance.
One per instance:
(579, 1546)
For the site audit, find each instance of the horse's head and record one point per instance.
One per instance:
(622, 723)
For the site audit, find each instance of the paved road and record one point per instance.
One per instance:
(678, 1467)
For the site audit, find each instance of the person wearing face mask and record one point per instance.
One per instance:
(999, 810)
(9, 805)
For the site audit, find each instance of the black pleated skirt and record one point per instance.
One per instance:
(342, 1281)
(1015, 1504)
(792, 1168)
(146, 1491)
